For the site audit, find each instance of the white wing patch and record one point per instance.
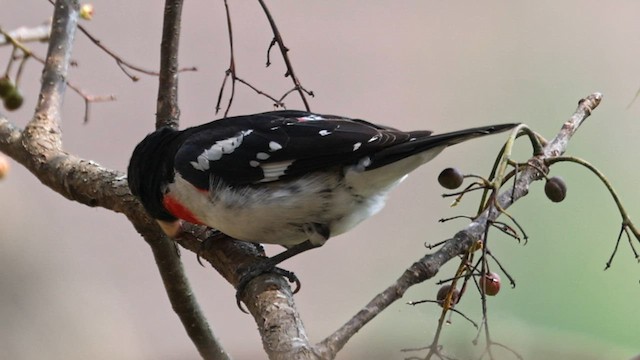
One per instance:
(356, 146)
(311, 118)
(221, 147)
(324, 132)
(273, 171)
(274, 146)
(363, 164)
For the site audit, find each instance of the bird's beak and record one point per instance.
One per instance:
(171, 228)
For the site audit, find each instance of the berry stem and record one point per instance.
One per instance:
(626, 220)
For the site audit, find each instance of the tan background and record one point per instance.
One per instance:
(79, 283)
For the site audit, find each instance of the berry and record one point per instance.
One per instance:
(14, 100)
(442, 294)
(4, 166)
(555, 189)
(86, 11)
(450, 178)
(490, 283)
(6, 86)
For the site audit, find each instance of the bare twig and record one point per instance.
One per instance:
(88, 99)
(123, 64)
(231, 72)
(277, 37)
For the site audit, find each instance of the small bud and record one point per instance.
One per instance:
(442, 294)
(555, 189)
(13, 101)
(451, 178)
(4, 166)
(490, 283)
(86, 11)
(6, 86)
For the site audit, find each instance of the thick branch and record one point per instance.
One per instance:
(268, 298)
(47, 116)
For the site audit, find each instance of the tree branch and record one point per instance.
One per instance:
(168, 110)
(25, 34)
(284, 51)
(39, 149)
(269, 300)
(176, 283)
(428, 266)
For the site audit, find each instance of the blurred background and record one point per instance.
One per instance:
(80, 283)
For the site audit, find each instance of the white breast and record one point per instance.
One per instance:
(277, 212)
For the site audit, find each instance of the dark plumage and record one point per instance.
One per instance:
(280, 177)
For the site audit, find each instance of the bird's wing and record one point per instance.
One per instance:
(275, 145)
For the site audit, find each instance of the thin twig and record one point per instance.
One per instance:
(123, 64)
(627, 223)
(284, 51)
(89, 99)
(231, 72)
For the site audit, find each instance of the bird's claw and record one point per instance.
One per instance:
(258, 269)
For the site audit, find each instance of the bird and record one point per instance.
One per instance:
(289, 177)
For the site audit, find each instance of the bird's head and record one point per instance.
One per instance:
(150, 170)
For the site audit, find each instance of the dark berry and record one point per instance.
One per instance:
(442, 294)
(14, 100)
(6, 86)
(556, 189)
(450, 178)
(491, 283)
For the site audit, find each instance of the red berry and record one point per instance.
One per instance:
(490, 283)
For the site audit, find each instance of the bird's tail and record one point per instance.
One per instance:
(456, 137)
(425, 141)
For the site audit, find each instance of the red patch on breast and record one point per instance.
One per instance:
(178, 210)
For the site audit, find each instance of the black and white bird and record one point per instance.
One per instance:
(292, 178)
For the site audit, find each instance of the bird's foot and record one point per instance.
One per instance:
(207, 243)
(257, 269)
